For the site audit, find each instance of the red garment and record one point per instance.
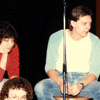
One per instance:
(12, 65)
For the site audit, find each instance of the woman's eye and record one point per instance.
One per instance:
(23, 98)
(14, 97)
(6, 40)
(12, 40)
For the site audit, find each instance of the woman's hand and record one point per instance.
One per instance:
(2, 50)
(3, 60)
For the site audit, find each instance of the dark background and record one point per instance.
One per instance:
(35, 21)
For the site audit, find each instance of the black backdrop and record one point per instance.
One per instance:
(35, 21)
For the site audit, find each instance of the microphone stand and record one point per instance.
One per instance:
(64, 53)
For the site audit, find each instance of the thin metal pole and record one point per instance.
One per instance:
(64, 54)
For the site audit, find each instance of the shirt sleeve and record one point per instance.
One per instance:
(2, 71)
(95, 58)
(50, 58)
(13, 67)
(52, 50)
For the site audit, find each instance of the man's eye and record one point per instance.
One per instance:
(84, 24)
(90, 23)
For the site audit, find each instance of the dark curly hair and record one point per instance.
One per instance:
(16, 83)
(7, 31)
(76, 13)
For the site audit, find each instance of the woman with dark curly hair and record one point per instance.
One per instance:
(9, 52)
(16, 89)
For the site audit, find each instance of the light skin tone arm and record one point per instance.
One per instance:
(3, 60)
(5, 47)
(75, 88)
(55, 77)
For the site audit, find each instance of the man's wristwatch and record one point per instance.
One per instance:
(82, 85)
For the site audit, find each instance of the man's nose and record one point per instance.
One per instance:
(88, 26)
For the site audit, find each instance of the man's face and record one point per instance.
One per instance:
(82, 26)
(17, 94)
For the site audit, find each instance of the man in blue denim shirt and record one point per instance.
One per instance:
(82, 50)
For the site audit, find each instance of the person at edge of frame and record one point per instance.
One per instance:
(83, 60)
(9, 52)
(16, 89)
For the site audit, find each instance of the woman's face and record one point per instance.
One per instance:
(7, 44)
(17, 94)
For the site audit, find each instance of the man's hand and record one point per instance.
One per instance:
(61, 86)
(75, 89)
